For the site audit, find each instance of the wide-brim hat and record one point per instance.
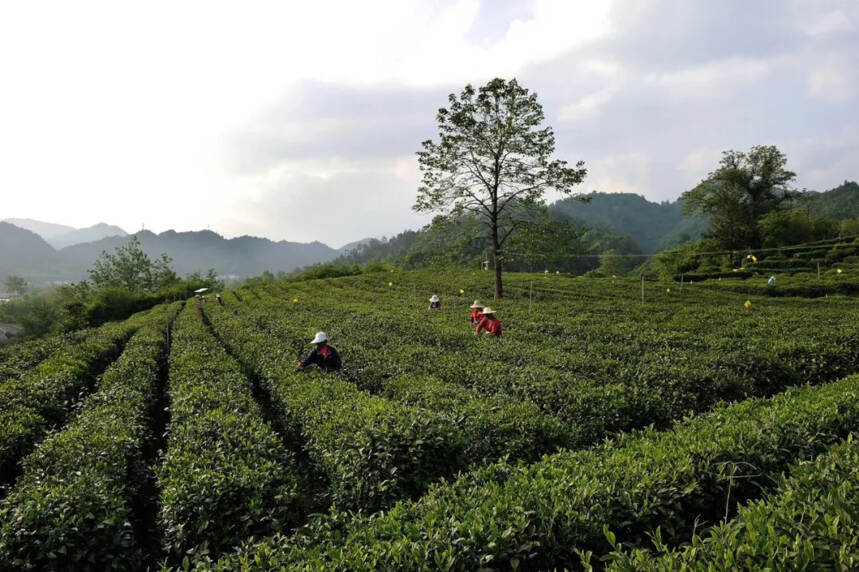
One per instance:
(476, 304)
(488, 310)
(320, 337)
(434, 298)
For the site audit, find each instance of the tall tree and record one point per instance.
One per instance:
(740, 193)
(493, 160)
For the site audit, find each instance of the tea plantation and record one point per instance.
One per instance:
(616, 424)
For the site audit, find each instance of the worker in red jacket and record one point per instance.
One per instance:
(476, 312)
(323, 356)
(490, 323)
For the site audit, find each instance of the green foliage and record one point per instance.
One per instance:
(543, 515)
(793, 226)
(493, 161)
(72, 506)
(372, 451)
(807, 523)
(45, 394)
(613, 263)
(739, 193)
(131, 268)
(595, 419)
(226, 474)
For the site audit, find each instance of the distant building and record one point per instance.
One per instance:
(7, 296)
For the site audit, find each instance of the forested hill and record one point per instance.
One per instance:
(840, 203)
(651, 226)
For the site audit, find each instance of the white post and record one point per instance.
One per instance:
(530, 296)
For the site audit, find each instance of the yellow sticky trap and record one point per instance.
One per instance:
(668, 290)
(294, 300)
(748, 304)
(839, 271)
(390, 283)
(461, 291)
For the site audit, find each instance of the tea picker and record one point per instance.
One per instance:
(476, 312)
(489, 324)
(435, 302)
(324, 356)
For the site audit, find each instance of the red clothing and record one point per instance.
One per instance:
(491, 324)
(476, 315)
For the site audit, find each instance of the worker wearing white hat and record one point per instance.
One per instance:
(323, 355)
(435, 302)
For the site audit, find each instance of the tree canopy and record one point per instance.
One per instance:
(740, 193)
(493, 161)
(131, 268)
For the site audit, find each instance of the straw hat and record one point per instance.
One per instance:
(476, 304)
(488, 310)
(434, 298)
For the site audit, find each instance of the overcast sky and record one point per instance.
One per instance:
(300, 121)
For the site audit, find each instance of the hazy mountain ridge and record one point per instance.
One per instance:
(82, 235)
(28, 254)
(44, 229)
(24, 252)
(61, 235)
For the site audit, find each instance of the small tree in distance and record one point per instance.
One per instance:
(131, 268)
(493, 161)
(17, 285)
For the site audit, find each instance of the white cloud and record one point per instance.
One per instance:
(832, 80)
(823, 24)
(332, 200)
(588, 106)
(711, 79)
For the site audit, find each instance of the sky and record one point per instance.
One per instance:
(300, 120)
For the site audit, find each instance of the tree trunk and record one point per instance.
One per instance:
(496, 254)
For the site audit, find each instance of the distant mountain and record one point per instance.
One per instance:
(201, 250)
(652, 226)
(24, 252)
(60, 235)
(81, 235)
(46, 230)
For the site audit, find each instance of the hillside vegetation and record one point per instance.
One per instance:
(610, 407)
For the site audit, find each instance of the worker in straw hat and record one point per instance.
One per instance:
(489, 323)
(476, 312)
(323, 356)
(435, 302)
